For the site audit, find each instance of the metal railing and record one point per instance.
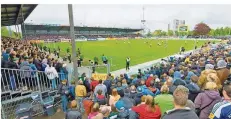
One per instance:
(18, 85)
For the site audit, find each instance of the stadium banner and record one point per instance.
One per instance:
(110, 38)
(183, 28)
(92, 39)
(80, 39)
(101, 39)
(98, 76)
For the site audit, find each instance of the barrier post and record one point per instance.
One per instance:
(39, 87)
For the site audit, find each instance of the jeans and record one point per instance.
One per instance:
(64, 103)
(53, 83)
(80, 104)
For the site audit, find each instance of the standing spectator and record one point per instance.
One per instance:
(93, 84)
(64, 92)
(107, 83)
(205, 101)
(52, 74)
(100, 86)
(72, 113)
(72, 90)
(6, 55)
(180, 97)
(149, 110)
(80, 92)
(222, 110)
(170, 85)
(194, 89)
(222, 71)
(164, 100)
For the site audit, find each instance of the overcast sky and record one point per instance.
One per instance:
(156, 16)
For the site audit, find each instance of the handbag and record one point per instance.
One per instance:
(198, 110)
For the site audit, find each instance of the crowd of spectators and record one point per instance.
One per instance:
(195, 87)
(28, 58)
(47, 37)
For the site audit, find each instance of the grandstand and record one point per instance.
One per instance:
(44, 32)
(32, 75)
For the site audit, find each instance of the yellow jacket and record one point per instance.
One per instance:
(80, 91)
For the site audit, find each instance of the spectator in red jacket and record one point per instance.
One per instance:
(94, 83)
(150, 78)
(149, 110)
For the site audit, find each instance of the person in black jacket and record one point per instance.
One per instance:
(64, 92)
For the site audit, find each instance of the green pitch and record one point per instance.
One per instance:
(117, 50)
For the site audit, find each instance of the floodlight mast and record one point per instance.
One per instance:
(143, 22)
(72, 34)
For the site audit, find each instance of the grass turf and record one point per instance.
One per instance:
(117, 50)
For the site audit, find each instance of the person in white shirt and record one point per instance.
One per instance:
(128, 63)
(52, 74)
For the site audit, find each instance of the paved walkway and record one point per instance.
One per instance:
(134, 69)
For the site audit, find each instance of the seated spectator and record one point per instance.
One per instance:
(177, 79)
(133, 91)
(113, 114)
(207, 99)
(164, 100)
(126, 100)
(114, 97)
(150, 78)
(180, 111)
(222, 110)
(138, 95)
(149, 110)
(170, 86)
(204, 78)
(100, 95)
(124, 83)
(194, 89)
(73, 113)
(222, 71)
(102, 87)
(95, 112)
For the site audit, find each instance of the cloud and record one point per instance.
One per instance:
(157, 16)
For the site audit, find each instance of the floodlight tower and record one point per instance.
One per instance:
(143, 21)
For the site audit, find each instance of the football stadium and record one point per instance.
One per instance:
(53, 71)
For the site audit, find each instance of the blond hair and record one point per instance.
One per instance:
(149, 100)
(95, 107)
(211, 86)
(164, 89)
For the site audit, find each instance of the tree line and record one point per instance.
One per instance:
(199, 29)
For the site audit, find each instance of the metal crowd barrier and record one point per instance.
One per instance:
(18, 85)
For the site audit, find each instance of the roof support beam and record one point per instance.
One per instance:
(19, 12)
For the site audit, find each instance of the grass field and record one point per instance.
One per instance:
(117, 51)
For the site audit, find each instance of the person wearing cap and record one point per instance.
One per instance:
(222, 71)
(73, 113)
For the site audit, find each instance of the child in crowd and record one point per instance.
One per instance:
(100, 95)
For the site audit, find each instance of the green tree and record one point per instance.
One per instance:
(149, 34)
(157, 33)
(4, 31)
(170, 33)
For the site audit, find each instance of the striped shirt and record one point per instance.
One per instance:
(221, 110)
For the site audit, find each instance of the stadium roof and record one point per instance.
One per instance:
(77, 28)
(13, 14)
